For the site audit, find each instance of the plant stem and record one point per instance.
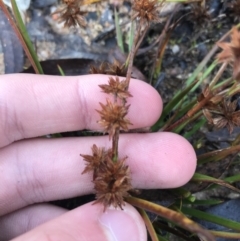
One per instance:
(148, 224)
(115, 145)
(132, 53)
(171, 215)
(191, 112)
(19, 35)
(218, 75)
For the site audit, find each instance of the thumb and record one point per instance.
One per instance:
(88, 223)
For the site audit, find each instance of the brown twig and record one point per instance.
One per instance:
(130, 58)
(19, 35)
(115, 140)
(191, 112)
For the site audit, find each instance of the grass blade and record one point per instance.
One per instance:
(171, 215)
(131, 36)
(227, 235)
(211, 218)
(118, 31)
(171, 105)
(60, 70)
(26, 38)
(218, 154)
(197, 177)
(195, 128)
(149, 225)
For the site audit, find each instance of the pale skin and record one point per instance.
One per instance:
(35, 170)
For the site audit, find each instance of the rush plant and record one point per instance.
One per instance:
(110, 174)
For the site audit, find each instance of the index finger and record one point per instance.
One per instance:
(35, 105)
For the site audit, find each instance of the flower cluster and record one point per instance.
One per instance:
(111, 176)
(117, 88)
(199, 15)
(146, 10)
(113, 117)
(224, 114)
(112, 69)
(111, 179)
(71, 14)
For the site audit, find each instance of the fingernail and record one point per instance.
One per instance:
(119, 226)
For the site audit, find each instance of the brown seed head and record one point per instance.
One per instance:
(213, 102)
(224, 115)
(102, 69)
(112, 183)
(112, 69)
(116, 68)
(94, 161)
(70, 2)
(71, 15)
(116, 87)
(146, 10)
(199, 15)
(113, 117)
(231, 52)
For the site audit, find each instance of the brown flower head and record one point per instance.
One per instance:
(95, 160)
(106, 68)
(212, 102)
(199, 15)
(70, 2)
(116, 68)
(113, 117)
(116, 87)
(146, 10)
(112, 183)
(224, 115)
(102, 69)
(71, 15)
(231, 52)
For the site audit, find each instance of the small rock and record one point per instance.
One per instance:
(175, 49)
(43, 3)
(228, 210)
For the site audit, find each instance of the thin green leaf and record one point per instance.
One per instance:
(149, 225)
(171, 215)
(211, 218)
(118, 31)
(61, 70)
(171, 105)
(160, 238)
(179, 128)
(131, 36)
(181, 192)
(173, 230)
(204, 75)
(227, 235)
(232, 179)
(218, 154)
(186, 107)
(197, 177)
(202, 202)
(56, 135)
(18, 33)
(25, 36)
(195, 128)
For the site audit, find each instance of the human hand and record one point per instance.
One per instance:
(36, 170)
